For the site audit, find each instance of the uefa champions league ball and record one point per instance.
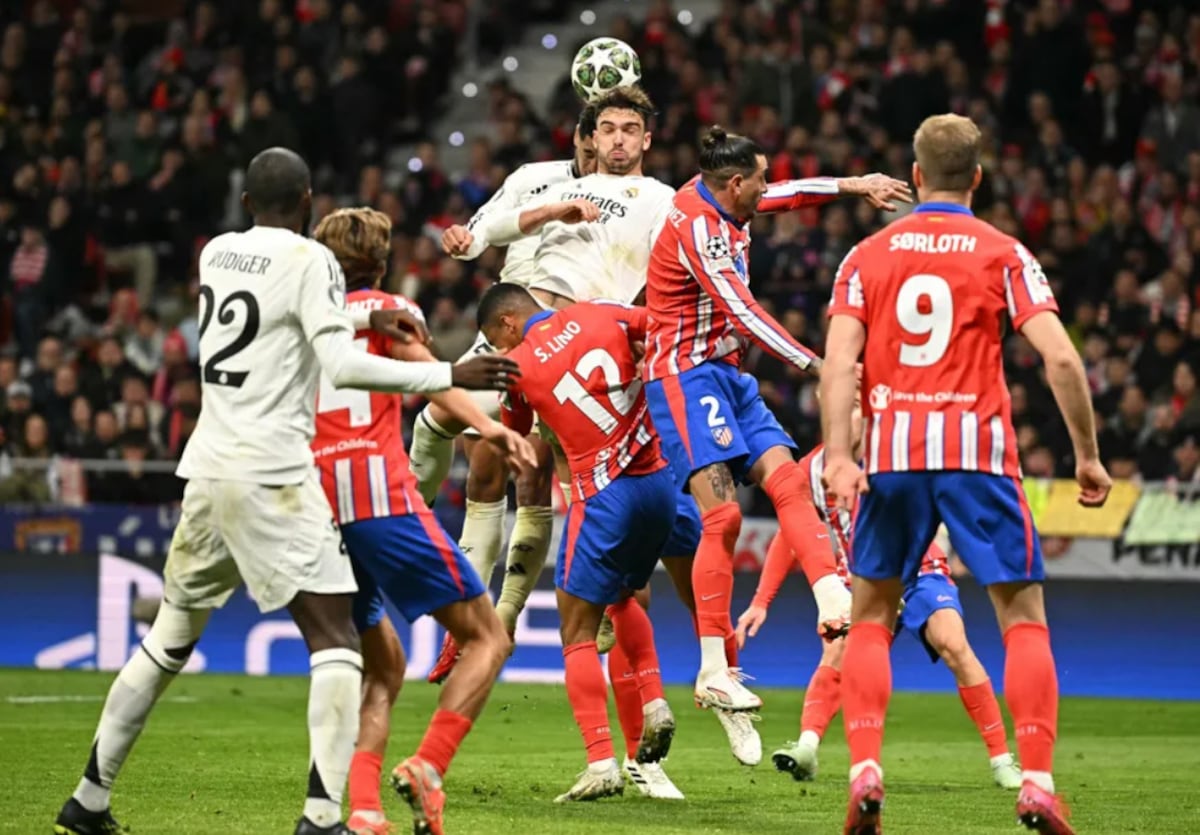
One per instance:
(602, 65)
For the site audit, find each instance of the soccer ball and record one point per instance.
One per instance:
(602, 65)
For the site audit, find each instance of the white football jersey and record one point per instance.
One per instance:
(526, 184)
(264, 295)
(606, 259)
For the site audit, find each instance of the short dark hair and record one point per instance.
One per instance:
(500, 299)
(723, 155)
(277, 180)
(625, 98)
(587, 120)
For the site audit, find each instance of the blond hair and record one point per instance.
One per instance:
(361, 240)
(947, 148)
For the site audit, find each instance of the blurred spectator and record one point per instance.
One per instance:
(144, 348)
(34, 280)
(31, 480)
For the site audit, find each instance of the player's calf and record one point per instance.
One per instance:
(164, 652)
(383, 676)
(335, 663)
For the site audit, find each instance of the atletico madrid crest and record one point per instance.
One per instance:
(723, 435)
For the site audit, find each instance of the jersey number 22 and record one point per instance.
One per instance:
(213, 374)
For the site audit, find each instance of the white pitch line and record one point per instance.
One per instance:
(63, 699)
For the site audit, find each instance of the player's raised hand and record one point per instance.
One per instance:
(485, 372)
(401, 325)
(879, 190)
(456, 240)
(577, 211)
(1094, 483)
(517, 451)
(749, 622)
(844, 481)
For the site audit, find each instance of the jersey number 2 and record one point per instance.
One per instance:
(570, 389)
(213, 373)
(936, 321)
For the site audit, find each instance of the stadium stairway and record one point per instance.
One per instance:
(536, 72)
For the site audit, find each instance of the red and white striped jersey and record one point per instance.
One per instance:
(841, 522)
(358, 446)
(579, 374)
(697, 288)
(933, 291)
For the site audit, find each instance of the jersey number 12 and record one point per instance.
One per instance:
(569, 388)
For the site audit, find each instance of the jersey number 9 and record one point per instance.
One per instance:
(935, 321)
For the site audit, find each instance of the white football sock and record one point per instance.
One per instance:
(528, 546)
(712, 654)
(483, 536)
(430, 455)
(859, 767)
(163, 653)
(810, 739)
(335, 679)
(1042, 779)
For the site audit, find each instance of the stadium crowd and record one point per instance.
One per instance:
(124, 127)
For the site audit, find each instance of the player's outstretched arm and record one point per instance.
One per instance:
(1068, 381)
(463, 409)
(879, 190)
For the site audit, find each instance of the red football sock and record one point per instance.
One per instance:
(445, 733)
(629, 701)
(589, 699)
(712, 570)
(1031, 689)
(635, 636)
(364, 782)
(799, 524)
(822, 700)
(984, 710)
(866, 688)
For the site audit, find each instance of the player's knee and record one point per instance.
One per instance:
(831, 653)
(487, 479)
(534, 487)
(723, 522)
(174, 634)
(953, 649)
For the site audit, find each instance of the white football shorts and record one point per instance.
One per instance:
(278, 540)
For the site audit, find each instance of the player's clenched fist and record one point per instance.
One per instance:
(844, 481)
(484, 372)
(456, 240)
(576, 211)
(1094, 483)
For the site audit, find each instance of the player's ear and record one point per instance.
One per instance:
(917, 179)
(246, 203)
(978, 178)
(646, 141)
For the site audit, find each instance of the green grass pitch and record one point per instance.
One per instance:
(226, 754)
